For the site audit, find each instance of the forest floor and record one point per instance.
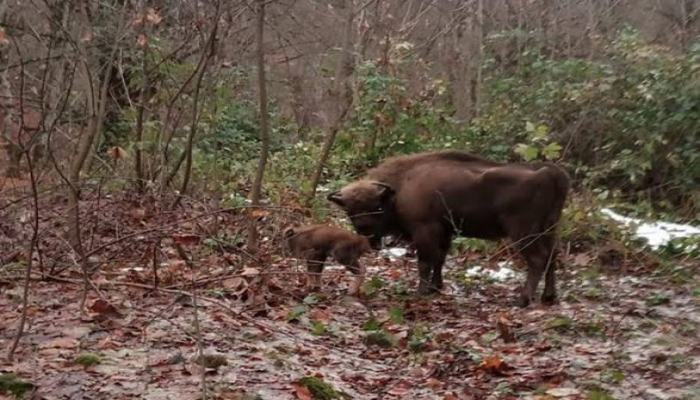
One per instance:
(621, 329)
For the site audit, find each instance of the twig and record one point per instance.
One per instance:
(30, 255)
(156, 249)
(169, 226)
(197, 328)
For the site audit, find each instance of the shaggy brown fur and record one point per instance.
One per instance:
(314, 243)
(429, 197)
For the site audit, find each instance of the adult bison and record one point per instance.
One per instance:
(429, 197)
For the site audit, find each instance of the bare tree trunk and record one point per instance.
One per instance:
(341, 97)
(479, 59)
(688, 15)
(462, 89)
(84, 146)
(14, 153)
(264, 133)
(207, 54)
(138, 151)
(96, 108)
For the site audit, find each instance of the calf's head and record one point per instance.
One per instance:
(369, 205)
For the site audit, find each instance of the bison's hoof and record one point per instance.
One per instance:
(549, 299)
(427, 290)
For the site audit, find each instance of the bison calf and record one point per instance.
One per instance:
(314, 243)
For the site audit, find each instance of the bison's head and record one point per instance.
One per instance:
(370, 207)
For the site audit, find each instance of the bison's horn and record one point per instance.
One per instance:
(335, 197)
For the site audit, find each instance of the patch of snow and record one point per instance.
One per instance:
(394, 253)
(333, 267)
(563, 392)
(504, 272)
(656, 233)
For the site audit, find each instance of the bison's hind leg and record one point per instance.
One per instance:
(549, 295)
(348, 256)
(534, 247)
(541, 259)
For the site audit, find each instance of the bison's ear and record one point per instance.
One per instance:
(385, 191)
(336, 198)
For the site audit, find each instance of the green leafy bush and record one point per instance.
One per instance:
(631, 124)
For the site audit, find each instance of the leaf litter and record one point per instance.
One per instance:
(468, 343)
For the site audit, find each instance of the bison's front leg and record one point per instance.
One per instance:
(431, 256)
(445, 243)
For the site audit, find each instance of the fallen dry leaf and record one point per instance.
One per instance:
(116, 153)
(103, 307)
(320, 315)
(87, 37)
(234, 284)
(543, 346)
(138, 19)
(60, 343)
(250, 271)
(582, 260)
(504, 329)
(141, 41)
(493, 365)
(185, 238)
(302, 392)
(153, 16)
(434, 383)
(137, 213)
(395, 273)
(3, 37)
(259, 213)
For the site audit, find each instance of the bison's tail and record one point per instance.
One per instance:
(558, 185)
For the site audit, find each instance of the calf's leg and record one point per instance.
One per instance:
(348, 257)
(314, 268)
(359, 275)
